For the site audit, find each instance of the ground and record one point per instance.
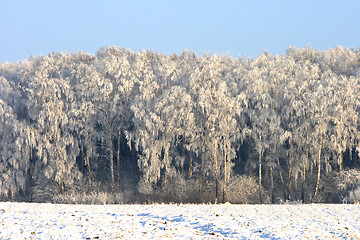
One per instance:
(224, 221)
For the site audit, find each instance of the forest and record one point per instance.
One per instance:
(141, 127)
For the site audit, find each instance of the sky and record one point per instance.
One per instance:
(241, 28)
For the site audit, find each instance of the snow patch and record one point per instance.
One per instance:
(56, 221)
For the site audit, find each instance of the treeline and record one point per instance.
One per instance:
(143, 126)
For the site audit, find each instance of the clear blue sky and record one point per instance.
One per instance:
(241, 28)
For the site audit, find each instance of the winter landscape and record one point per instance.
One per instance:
(143, 127)
(133, 128)
(223, 221)
(179, 119)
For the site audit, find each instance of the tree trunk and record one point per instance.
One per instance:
(215, 166)
(30, 176)
(62, 185)
(118, 158)
(190, 164)
(260, 175)
(303, 182)
(340, 162)
(281, 178)
(89, 167)
(224, 194)
(225, 172)
(217, 191)
(319, 172)
(350, 154)
(201, 176)
(111, 155)
(260, 180)
(272, 185)
(271, 172)
(289, 178)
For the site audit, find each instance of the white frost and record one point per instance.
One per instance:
(53, 221)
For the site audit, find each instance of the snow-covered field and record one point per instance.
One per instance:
(225, 221)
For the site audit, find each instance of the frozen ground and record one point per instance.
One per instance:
(226, 221)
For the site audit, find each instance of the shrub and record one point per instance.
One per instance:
(348, 183)
(88, 198)
(242, 189)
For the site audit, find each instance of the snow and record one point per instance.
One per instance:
(289, 221)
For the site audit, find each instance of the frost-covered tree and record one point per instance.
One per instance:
(216, 124)
(14, 157)
(154, 134)
(179, 127)
(263, 110)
